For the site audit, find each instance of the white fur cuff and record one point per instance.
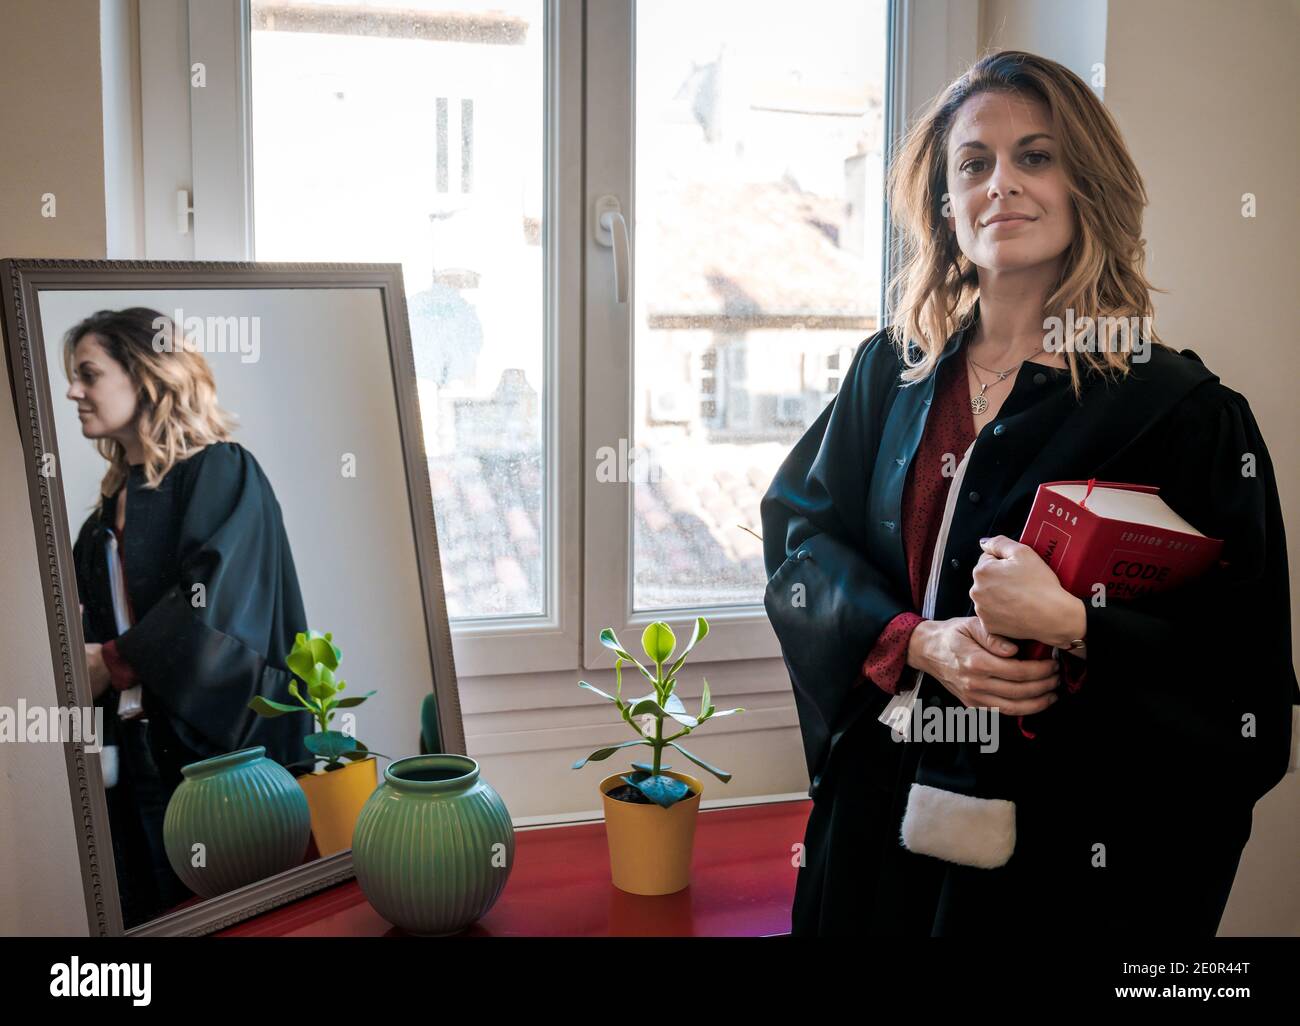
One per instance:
(979, 832)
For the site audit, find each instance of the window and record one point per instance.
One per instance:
(594, 462)
(366, 149)
(757, 155)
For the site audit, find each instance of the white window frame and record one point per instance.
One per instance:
(205, 145)
(735, 632)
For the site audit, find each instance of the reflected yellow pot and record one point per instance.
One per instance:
(335, 800)
(650, 847)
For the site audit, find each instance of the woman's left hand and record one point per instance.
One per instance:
(1016, 595)
(99, 675)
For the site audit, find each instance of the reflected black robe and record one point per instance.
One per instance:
(1148, 767)
(213, 521)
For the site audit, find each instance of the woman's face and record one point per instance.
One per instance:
(1003, 159)
(103, 391)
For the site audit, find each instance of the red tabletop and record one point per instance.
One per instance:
(742, 885)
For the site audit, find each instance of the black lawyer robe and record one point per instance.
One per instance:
(202, 654)
(1134, 803)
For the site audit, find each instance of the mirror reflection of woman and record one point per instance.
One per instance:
(190, 600)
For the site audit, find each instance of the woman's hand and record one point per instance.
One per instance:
(977, 667)
(99, 675)
(1016, 595)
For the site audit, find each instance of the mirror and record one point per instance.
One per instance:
(226, 464)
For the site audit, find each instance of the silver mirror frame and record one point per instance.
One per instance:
(21, 281)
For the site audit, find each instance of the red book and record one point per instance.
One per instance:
(1121, 536)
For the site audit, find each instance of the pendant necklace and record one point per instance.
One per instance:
(978, 404)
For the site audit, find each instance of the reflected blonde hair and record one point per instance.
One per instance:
(933, 292)
(176, 397)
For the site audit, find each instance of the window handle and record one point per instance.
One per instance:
(611, 230)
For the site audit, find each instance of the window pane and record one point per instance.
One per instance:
(758, 241)
(413, 133)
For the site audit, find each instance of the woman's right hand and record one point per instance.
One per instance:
(100, 678)
(977, 667)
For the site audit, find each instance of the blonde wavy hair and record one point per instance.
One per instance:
(933, 292)
(176, 397)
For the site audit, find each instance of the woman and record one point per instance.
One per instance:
(1118, 794)
(190, 601)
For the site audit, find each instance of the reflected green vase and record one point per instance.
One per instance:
(248, 814)
(434, 845)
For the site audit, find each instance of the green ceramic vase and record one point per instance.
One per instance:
(434, 845)
(247, 812)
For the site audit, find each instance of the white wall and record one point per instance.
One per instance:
(52, 125)
(1071, 32)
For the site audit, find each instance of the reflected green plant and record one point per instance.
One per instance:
(314, 659)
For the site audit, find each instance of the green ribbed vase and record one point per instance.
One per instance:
(249, 814)
(434, 845)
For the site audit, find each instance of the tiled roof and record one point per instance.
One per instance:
(691, 544)
(747, 248)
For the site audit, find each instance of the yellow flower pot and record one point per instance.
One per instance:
(650, 847)
(335, 800)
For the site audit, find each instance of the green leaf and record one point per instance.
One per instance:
(700, 632)
(302, 662)
(323, 649)
(674, 704)
(321, 690)
(352, 700)
(670, 704)
(584, 684)
(704, 699)
(663, 790)
(362, 752)
(722, 775)
(647, 707)
(310, 651)
(715, 713)
(610, 640)
(265, 707)
(320, 684)
(601, 754)
(330, 744)
(658, 641)
(647, 768)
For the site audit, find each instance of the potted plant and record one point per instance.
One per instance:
(650, 813)
(338, 789)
